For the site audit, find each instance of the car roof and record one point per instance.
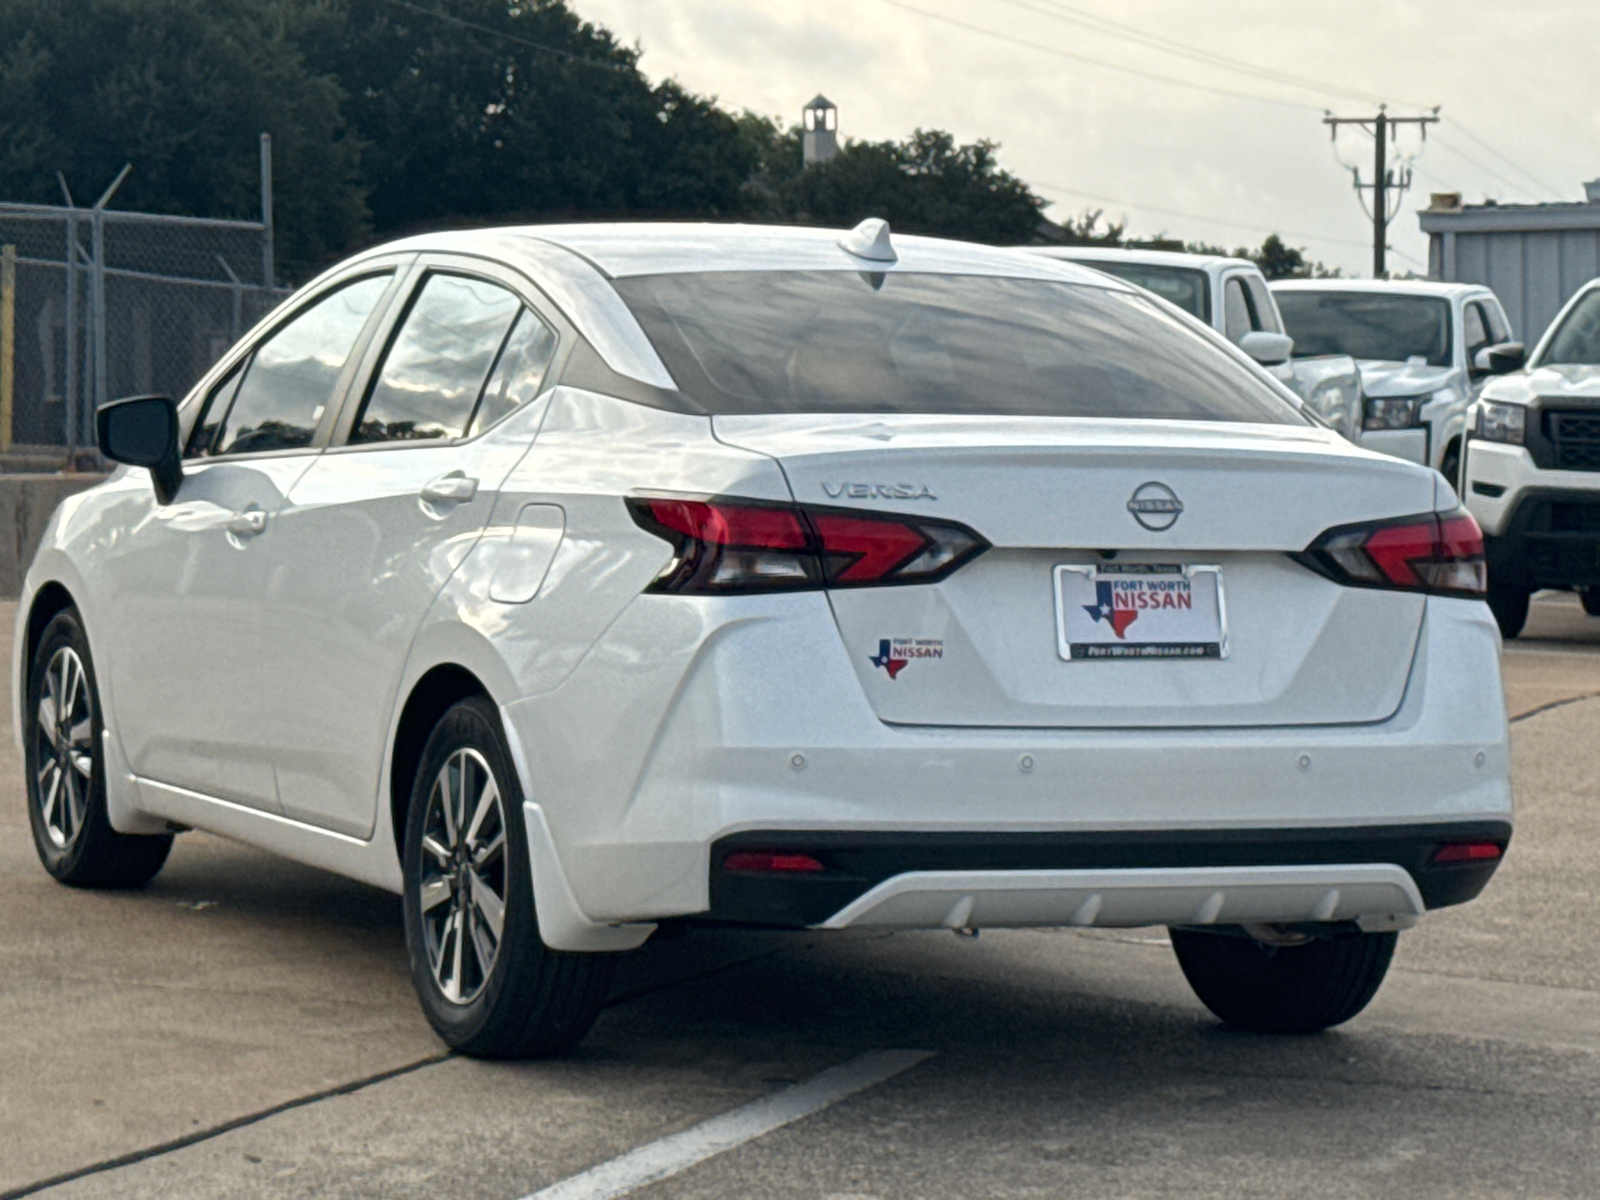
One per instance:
(1394, 287)
(1154, 258)
(623, 249)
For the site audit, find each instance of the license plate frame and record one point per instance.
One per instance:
(1072, 647)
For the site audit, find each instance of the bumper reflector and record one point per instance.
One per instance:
(761, 860)
(1466, 852)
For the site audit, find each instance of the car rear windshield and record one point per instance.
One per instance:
(859, 342)
(1367, 325)
(1578, 339)
(1184, 286)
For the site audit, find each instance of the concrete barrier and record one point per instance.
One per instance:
(26, 502)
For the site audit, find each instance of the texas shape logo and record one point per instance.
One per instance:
(1103, 610)
(894, 653)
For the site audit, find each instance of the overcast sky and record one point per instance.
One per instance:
(1517, 85)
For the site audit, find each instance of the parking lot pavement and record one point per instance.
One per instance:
(1064, 1063)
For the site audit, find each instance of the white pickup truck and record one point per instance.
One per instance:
(1424, 352)
(1231, 296)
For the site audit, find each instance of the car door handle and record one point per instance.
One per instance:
(450, 489)
(248, 523)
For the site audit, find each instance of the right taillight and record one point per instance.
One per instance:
(1437, 553)
(725, 545)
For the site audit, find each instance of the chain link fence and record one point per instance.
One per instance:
(112, 303)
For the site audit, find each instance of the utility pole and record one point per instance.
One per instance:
(1383, 128)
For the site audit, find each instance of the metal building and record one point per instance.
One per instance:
(1534, 256)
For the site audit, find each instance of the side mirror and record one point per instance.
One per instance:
(142, 431)
(1500, 360)
(1268, 349)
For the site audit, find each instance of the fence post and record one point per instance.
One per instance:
(97, 287)
(267, 265)
(8, 341)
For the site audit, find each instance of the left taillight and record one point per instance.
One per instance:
(735, 546)
(1439, 553)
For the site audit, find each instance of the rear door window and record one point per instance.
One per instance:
(288, 382)
(431, 378)
(908, 342)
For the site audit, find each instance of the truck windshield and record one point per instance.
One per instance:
(1367, 325)
(1578, 338)
(893, 342)
(1183, 286)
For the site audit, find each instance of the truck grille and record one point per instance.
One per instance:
(1576, 438)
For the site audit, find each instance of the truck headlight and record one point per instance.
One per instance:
(1394, 412)
(1501, 422)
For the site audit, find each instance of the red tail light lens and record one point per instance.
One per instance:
(770, 863)
(732, 546)
(1438, 553)
(1467, 852)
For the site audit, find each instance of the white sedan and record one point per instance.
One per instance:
(576, 580)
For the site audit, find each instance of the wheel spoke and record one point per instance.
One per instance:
(483, 951)
(487, 803)
(432, 846)
(82, 762)
(47, 715)
(435, 892)
(455, 967)
(71, 806)
(47, 808)
(488, 905)
(447, 801)
(81, 735)
(484, 853)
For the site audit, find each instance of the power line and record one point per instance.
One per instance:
(1074, 16)
(1093, 62)
(1545, 187)
(1484, 167)
(1188, 216)
(571, 57)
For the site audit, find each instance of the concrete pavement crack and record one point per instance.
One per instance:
(202, 1135)
(1544, 708)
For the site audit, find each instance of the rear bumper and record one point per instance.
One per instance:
(1373, 874)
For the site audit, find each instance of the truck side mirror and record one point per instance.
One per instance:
(1500, 360)
(1268, 349)
(142, 431)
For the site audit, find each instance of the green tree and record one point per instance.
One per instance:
(181, 89)
(926, 183)
(505, 109)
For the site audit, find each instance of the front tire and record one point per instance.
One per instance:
(488, 984)
(1283, 989)
(1591, 600)
(1510, 608)
(65, 770)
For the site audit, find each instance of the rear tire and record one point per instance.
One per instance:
(1591, 600)
(64, 765)
(488, 984)
(1283, 989)
(1510, 608)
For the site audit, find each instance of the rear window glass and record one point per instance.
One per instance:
(859, 342)
(1368, 325)
(1186, 287)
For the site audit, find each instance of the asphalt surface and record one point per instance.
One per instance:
(246, 1027)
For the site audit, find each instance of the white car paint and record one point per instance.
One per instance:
(253, 672)
(1329, 384)
(1451, 387)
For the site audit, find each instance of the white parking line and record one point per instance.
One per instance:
(680, 1151)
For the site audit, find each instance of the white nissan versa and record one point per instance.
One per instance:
(572, 580)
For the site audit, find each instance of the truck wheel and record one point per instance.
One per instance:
(1591, 600)
(66, 774)
(1450, 466)
(1510, 608)
(488, 984)
(1283, 989)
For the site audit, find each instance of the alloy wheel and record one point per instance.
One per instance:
(64, 741)
(463, 876)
